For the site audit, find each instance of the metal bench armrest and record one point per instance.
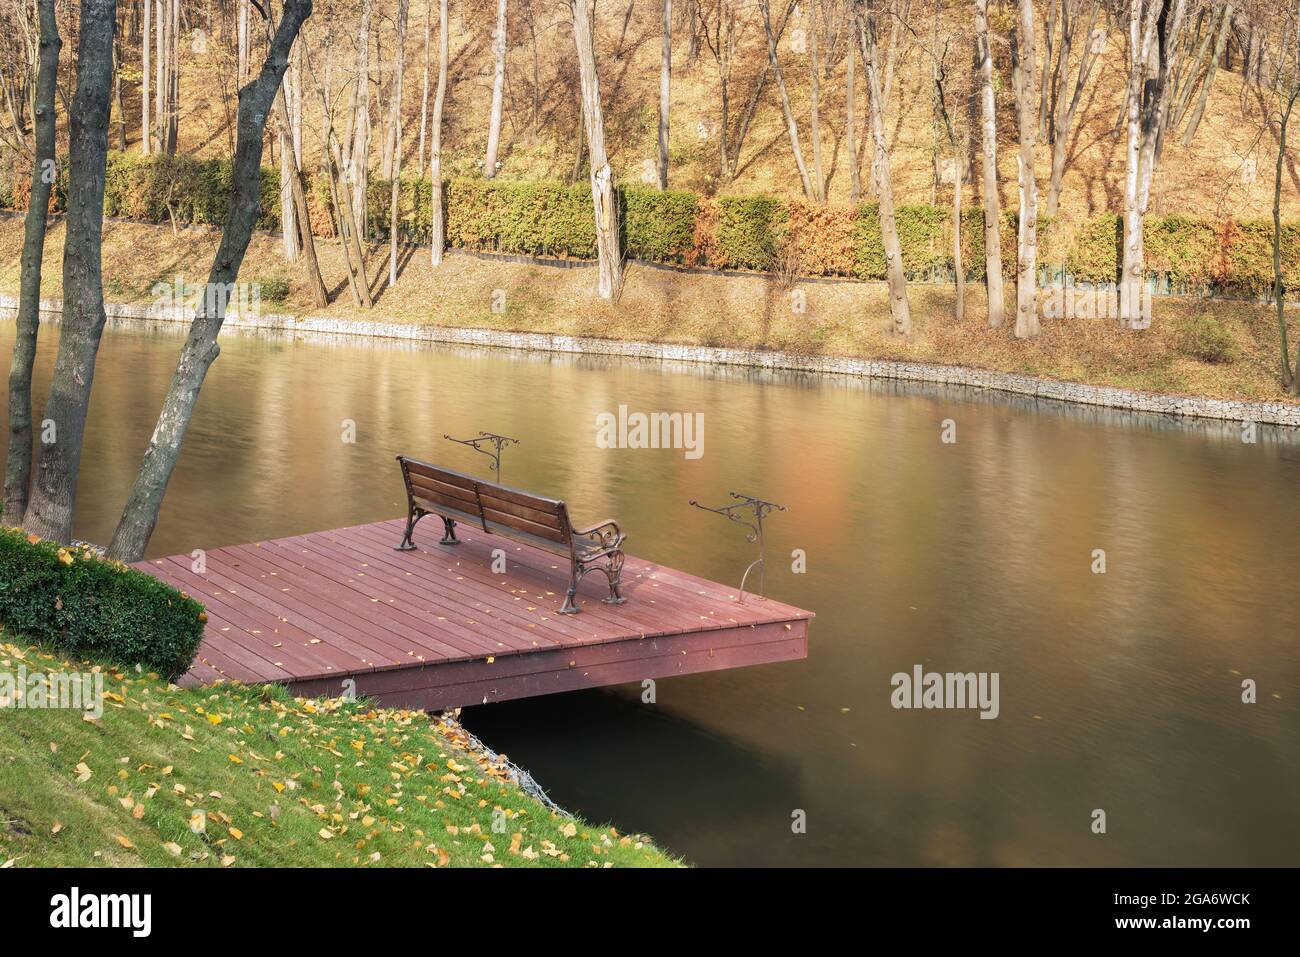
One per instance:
(605, 535)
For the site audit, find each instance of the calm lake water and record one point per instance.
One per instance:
(1118, 691)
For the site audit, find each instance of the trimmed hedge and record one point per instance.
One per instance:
(70, 599)
(763, 233)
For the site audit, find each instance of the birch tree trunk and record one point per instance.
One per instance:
(53, 500)
(241, 54)
(604, 203)
(665, 85)
(403, 8)
(1027, 245)
(498, 92)
(992, 205)
(437, 223)
(1139, 39)
(200, 350)
(18, 467)
(791, 127)
(899, 310)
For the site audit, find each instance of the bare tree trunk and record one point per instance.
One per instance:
(437, 224)
(200, 350)
(162, 19)
(1027, 245)
(958, 267)
(665, 84)
(288, 171)
(119, 110)
(851, 123)
(50, 510)
(358, 150)
(424, 90)
(298, 203)
(1204, 96)
(814, 119)
(241, 55)
(610, 282)
(899, 310)
(1158, 100)
(498, 92)
(1141, 35)
(18, 467)
(1063, 117)
(791, 127)
(992, 205)
(1290, 374)
(403, 8)
(348, 235)
(146, 131)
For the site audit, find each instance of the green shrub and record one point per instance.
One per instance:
(273, 289)
(67, 598)
(750, 231)
(531, 218)
(1204, 337)
(657, 225)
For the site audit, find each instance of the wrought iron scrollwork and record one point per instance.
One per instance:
(749, 512)
(478, 442)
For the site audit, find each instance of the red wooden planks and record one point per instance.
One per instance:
(438, 627)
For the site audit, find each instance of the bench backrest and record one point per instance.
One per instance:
(493, 507)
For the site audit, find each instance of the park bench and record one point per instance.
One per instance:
(455, 497)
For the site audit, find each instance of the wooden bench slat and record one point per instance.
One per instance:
(548, 517)
(421, 482)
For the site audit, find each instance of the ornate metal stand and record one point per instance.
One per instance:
(484, 438)
(757, 509)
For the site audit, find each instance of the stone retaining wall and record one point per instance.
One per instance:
(1271, 413)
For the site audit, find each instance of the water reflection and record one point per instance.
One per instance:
(1119, 691)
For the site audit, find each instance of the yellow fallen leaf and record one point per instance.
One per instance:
(172, 848)
(121, 839)
(58, 826)
(325, 833)
(214, 718)
(236, 833)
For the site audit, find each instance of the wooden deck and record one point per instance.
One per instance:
(435, 628)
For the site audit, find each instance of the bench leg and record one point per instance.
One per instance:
(614, 572)
(407, 543)
(570, 607)
(448, 533)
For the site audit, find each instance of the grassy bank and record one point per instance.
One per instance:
(237, 776)
(1194, 347)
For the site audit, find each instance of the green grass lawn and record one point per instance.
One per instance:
(230, 776)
